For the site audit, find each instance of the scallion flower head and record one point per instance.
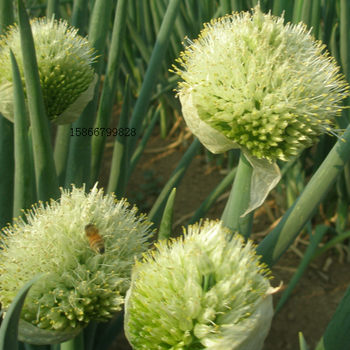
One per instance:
(207, 290)
(64, 62)
(253, 82)
(81, 285)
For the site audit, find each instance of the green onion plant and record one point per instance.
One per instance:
(251, 79)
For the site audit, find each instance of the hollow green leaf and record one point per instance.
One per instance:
(297, 11)
(315, 19)
(331, 243)
(55, 347)
(120, 160)
(22, 194)
(306, 12)
(76, 343)
(89, 333)
(53, 8)
(166, 225)
(282, 236)
(302, 342)
(344, 37)
(9, 326)
(61, 150)
(315, 239)
(79, 156)
(283, 6)
(329, 13)
(139, 43)
(63, 135)
(225, 7)
(211, 199)
(109, 88)
(337, 335)
(153, 69)
(6, 137)
(6, 171)
(141, 146)
(79, 16)
(343, 204)
(45, 172)
(108, 333)
(36, 347)
(174, 181)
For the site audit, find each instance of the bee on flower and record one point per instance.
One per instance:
(80, 286)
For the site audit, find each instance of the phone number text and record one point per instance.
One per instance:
(102, 131)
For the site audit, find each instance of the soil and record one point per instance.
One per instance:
(316, 296)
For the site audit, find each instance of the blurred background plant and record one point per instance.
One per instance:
(137, 42)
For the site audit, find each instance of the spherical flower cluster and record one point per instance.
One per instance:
(261, 85)
(82, 285)
(64, 61)
(204, 291)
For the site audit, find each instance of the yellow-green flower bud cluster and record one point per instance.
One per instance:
(82, 285)
(268, 87)
(205, 291)
(64, 61)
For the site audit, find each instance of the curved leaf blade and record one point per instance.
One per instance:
(9, 326)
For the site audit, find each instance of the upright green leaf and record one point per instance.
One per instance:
(302, 342)
(115, 326)
(6, 137)
(344, 37)
(53, 8)
(79, 157)
(297, 11)
(339, 238)
(315, 19)
(89, 334)
(76, 343)
(120, 161)
(166, 224)
(306, 12)
(63, 135)
(337, 335)
(79, 16)
(342, 205)
(283, 235)
(9, 326)
(45, 171)
(109, 87)
(22, 198)
(138, 152)
(156, 212)
(320, 231)
(329, 17)
(61, 151)
(37, 347)
(211, 199)
(153, 69)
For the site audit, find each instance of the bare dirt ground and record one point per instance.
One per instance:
(314, 300)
